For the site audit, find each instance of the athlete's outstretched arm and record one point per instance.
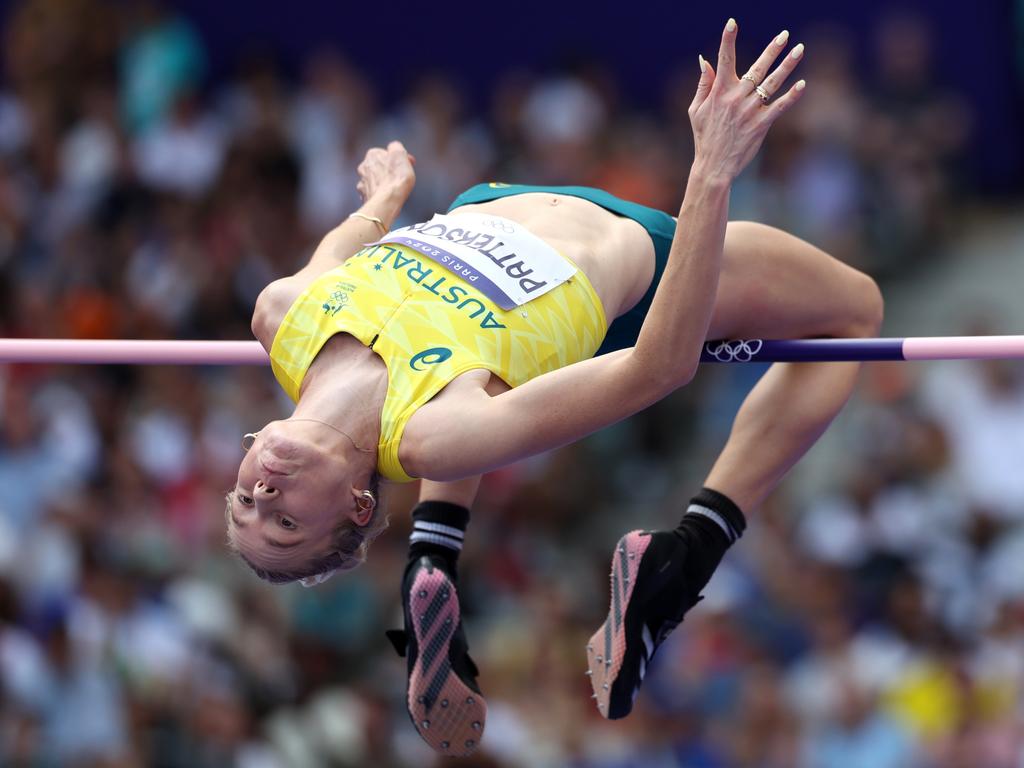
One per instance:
(478, 433)
(729, 121)
(386, 179)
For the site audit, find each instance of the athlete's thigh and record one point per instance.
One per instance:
(775, 285)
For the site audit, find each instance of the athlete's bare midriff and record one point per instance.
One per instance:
(614, 252)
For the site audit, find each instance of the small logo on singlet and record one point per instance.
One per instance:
(498, 185)
(431, 356)
(338, 298)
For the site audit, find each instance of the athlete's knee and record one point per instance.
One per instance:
(866, 306)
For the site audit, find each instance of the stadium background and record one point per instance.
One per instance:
(160, 164)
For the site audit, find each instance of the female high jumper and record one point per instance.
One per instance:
(522, 320)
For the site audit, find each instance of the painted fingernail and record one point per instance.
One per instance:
(798, 51)
(703, 64)
(782, 38)
(800, 85)
(730, 25)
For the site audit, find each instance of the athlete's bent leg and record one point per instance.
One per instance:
(772, 285)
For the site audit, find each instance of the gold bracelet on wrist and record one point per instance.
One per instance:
(374, 219)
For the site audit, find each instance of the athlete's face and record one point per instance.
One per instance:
(290, 497)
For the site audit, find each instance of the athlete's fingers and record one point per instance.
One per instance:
(773, 83)
(727, 52)
(376, 154)
(760, 68)
(707, 79)
(773, 111)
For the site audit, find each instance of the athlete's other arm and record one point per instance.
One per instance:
(386, 179)
(447, 440)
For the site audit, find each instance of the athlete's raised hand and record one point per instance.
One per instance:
(731, 114)
(389, 171)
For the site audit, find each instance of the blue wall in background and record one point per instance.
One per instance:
(641, 41)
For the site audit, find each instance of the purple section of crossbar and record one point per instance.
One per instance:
(803, 351)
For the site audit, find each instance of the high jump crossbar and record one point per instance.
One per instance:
(146, 352)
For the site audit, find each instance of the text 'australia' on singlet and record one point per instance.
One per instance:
(430, 325)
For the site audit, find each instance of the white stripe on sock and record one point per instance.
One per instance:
(709, 513)
(447, 530)
(436, 538)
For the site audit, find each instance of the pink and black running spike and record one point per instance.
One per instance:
(448, 714)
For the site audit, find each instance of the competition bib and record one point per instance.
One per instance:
(500, 258)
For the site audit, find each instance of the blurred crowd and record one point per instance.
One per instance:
(879, 624)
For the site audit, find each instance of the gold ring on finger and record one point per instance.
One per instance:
(763, 94)
(751, 79)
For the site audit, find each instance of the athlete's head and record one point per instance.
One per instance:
(302, 507)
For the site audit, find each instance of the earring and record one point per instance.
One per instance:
(251, 438)
(367, 500)
(320, 578)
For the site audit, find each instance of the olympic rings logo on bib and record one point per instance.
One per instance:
(735, 351)
(507, 227)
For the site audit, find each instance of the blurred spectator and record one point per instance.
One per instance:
(858, 736)
(452, 153)
(327, 119)
(913, 142)
(562, 120)
(162, 59)
(82, 711)
(181, 153)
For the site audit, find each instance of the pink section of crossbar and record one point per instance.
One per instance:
(132, 352)
(963, 347)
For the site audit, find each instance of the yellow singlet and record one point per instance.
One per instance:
(429, 326)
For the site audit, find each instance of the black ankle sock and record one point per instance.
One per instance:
(437, 530)
(711, 524)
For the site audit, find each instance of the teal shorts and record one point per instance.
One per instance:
(624, 330)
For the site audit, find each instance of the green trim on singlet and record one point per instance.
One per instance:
(624, 331)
